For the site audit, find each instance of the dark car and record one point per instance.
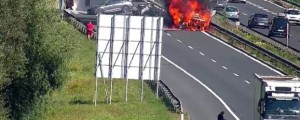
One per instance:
(112, 6)
(238, 1)
(280, 27)
(258, 20)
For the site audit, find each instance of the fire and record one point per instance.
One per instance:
(189, 14)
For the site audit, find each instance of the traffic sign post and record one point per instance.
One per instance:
(287, 35)
(237, 23)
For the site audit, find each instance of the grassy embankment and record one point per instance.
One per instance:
(298, 1)
(74, 101)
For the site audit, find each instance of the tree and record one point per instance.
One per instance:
(31, 55)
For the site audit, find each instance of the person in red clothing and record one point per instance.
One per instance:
(90, 30)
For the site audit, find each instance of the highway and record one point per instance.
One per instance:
(209, 76)
(224, 70)
(262, 6)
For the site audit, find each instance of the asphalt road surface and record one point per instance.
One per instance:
(263, 6)
(224, 70)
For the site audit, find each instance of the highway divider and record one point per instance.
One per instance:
(167, 96)
(165, 93)
(77, 24)
(269, 51)
(292, 3)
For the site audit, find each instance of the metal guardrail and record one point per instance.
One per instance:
(292, 2)
(168, 97)
(253, 46)
(78, 25)
(264, 38)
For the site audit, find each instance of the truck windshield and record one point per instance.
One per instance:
(282, 107)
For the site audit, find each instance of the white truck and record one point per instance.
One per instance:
(278, 97)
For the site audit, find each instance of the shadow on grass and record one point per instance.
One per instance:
(80, 101)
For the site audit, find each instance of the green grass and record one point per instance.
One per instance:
(74, 101)
(298, 1)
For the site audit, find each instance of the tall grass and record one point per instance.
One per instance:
(75, 100)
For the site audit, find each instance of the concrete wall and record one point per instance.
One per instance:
(83, 5)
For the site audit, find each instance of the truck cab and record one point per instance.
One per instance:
(279, 97)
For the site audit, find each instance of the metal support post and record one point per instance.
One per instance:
(157, 54)
(111, 57)
(141, 68)
(126, 56)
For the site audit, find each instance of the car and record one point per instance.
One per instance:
(259, 20)
(293, 15)
(231, 13)
(280, 27)
(140, 6)
(238, 1)
(112, 6)
(220, 4)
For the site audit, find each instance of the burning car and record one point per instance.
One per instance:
(189, 15)
(196, 23)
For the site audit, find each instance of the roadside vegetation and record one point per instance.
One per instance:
(75, 99)
(47, 71)
(259, 42)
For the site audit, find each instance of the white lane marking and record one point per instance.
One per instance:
(244, 14)
(260, 7)
(247, 81)
(224, 67)
(264, 8)
(263, 64)
(191, 47)
(213, 60)
(275, 4)
(206, 87)
(235, 74)
(179, 41)
(168, 34)
(201, 53)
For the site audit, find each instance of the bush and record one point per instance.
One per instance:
(34, 55)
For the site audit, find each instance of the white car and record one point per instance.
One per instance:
(293, 15)
(231, 12)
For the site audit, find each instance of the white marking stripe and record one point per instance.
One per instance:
(213, 60)
(235, 74)
(263, 64)
(168, 34)
(179, 41)
(202, 53)
(244, 14)
(224, 67)
(191, 47)
(247, 82)
(206, 87)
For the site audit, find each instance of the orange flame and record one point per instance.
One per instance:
(190, 14)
